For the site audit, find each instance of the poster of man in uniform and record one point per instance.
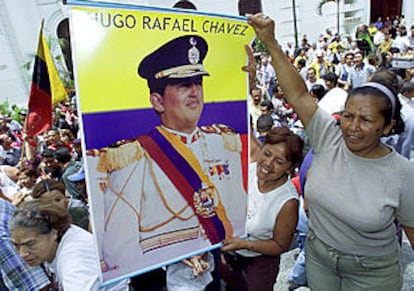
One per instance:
(164, 116)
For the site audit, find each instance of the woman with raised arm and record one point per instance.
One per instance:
(358, 186)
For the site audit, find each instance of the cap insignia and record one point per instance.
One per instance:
(193, 52)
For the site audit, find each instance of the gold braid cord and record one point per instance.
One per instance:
(120, 196)
(175, 215)
(112, 159)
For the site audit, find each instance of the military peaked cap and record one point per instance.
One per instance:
(181, 57)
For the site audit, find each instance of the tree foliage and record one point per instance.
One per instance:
(260, 47)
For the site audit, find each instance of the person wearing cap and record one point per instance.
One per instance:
(79, 179)
(181, 185)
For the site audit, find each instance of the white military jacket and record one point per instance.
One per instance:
(141, 218)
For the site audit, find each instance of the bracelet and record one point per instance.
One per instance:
(251, 245)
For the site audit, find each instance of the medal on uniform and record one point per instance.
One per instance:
(205, 201)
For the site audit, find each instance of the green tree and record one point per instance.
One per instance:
(260, 47)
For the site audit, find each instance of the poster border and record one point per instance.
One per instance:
(93, 4)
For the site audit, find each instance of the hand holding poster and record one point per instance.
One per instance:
(164, 115)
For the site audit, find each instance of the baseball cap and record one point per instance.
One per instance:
(78, 176)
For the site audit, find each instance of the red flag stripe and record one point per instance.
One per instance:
(40, 114)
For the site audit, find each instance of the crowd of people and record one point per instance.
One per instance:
(342, 102)
(331, 67)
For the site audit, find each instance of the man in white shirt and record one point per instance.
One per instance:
(360, 71)
(334, 99)
(379, 36)
(312, 80)
(401, 41)
(269, 75)
(411, 37)
(342, 70)
(254, 104)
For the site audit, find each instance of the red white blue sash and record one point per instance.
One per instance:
(185, 172)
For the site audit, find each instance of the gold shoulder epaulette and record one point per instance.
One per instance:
(93, 152)
(217, 129)
(123, 154)
(231, 138)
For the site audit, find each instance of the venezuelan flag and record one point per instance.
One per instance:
(46, 89)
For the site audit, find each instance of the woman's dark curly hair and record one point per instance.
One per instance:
(294, 143)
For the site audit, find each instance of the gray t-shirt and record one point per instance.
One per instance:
(354, 201)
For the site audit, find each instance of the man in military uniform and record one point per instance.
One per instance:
(179, 188)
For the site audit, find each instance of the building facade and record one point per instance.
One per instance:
(20, 24)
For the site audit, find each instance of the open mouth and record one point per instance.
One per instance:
(264, 170)
(353, 138)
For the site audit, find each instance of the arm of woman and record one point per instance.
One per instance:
(288, 78)
(28, 150)
(255, 147)
(250, 68)
(285, 227)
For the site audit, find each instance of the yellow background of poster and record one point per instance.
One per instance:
(110, 43)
